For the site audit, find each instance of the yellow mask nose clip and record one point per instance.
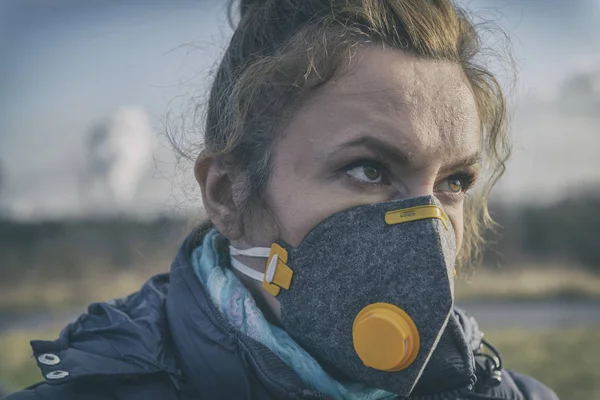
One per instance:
(385, 337)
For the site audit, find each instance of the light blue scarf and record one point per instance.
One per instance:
(235, 302)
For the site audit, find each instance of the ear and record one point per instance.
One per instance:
(217, 194)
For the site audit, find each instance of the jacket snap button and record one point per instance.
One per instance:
(49, 359)
(57, 374)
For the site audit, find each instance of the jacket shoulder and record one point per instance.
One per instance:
(531, 388)
(150, 387)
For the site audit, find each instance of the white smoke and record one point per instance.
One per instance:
(556, 143)
(119, 154)
(581, 93)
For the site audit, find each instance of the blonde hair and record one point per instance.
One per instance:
(282, 49)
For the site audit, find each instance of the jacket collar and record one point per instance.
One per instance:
(213, 353)
(170, 326)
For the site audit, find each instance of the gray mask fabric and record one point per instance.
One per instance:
(369, 291)
(451, 365)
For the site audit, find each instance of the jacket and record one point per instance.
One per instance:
(169, 342)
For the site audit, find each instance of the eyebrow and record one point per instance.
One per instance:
(377, 146)
(397, 155)
(466, 162)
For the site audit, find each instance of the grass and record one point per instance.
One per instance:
(511, 283)
(567, 360)
(528, 282)
(18, 368)
(34, 295)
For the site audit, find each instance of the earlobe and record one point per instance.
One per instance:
(217, 195)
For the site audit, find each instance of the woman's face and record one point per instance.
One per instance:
(394, 126)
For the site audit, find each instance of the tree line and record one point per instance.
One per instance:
(565, 233)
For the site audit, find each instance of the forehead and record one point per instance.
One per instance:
(424, 106)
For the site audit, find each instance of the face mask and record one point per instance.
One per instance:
(369, 291)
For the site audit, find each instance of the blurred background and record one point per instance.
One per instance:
(93, 200)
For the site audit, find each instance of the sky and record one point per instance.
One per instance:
(68, 66)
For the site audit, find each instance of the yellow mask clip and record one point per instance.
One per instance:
(277, 274)
(415, 214)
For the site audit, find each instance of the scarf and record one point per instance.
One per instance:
(237, 305)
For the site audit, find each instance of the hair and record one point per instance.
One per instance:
(282, 49)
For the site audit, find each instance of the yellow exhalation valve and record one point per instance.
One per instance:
(385, 337)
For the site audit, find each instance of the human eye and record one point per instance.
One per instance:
(367, 172)
(457, 183)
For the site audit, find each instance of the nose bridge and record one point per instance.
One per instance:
(422, 186)
(418, 184)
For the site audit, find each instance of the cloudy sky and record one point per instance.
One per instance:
(68, 65)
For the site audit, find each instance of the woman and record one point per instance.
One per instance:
(342, 137)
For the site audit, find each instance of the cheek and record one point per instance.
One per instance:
(299, 194)
(300, 200)
(298, 211)
(290, 205)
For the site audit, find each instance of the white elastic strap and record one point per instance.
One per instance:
(251, 252)
(244, 269)
(257, 276)
(271, 268)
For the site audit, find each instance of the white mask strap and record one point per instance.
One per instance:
(262, 252)
(246, 270)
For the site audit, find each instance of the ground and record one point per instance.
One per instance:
(567, 358)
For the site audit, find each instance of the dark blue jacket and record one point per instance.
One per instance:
(168, 342)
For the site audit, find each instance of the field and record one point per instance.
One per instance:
(528, 283)
(532, 282)
(568, 360)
